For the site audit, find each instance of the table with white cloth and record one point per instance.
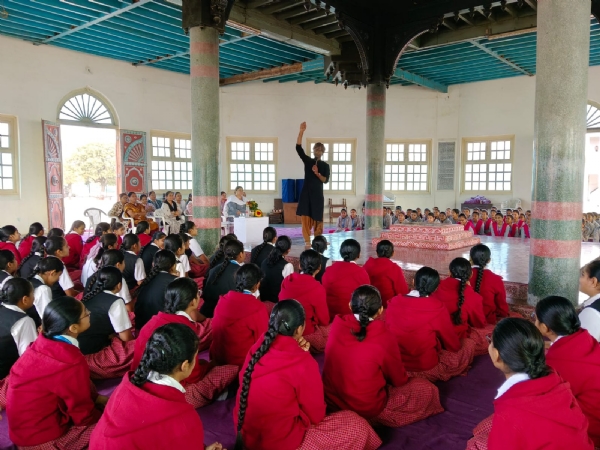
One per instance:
(249, 230)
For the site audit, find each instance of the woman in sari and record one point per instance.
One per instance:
(150, 208)
(235, 205)
(137, 212)
(173, 215)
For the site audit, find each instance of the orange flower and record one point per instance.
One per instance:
(258, 213)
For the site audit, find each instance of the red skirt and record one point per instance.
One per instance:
(269, 306)
(204, 334)
(318, 339)
(3, 391)
(344, 430)
(113, 361)
(481, 434)
(198, 270)
(451, 364)
(478, 335)
(77, 438)
(203, 392)
(414, 401)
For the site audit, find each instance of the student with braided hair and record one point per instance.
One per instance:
(101, 228)
(240, 319)
(108, 344)
(151, 293)
(57, 247)
(319, 244)
(385, 274)
(304, 288)
(112, 257)
(148, 409)
(343, 278)
(464, 305)
(8, 266)
(534, 408)
(45, 275)
(134, 272)
(423, 329)
(261, 252)
(280, 401)
(142, 231)
(174, 243)
(73, 238)
(107, 242)
(35, 229)
(147, 253)
(275, 269)
(221, 279)
(37, 252)
(363, 369)
(219, 256)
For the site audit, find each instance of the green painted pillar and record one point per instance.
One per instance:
(204, 74)
(375, 156)
(563, 45)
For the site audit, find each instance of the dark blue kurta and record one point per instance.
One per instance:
(311, 202)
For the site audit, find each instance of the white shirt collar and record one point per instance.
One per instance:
(358, 318)
(41, 279)
(353, 262)
(270, 243)
(474, 267)
(556, 340)
(71, 339)
(154, 244)
(129, 251)
(515, 379)
(13, 307)
(110, 292)
(165, 380)
(184, 314)
(591, 300)
(413, 293)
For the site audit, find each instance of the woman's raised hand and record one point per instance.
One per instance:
(303, 126)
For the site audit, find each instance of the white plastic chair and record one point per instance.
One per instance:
(159, 217)
(130, 228)
(95, 217)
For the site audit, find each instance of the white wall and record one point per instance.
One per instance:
(34, 79)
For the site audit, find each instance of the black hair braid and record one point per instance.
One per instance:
(456, 315)
(37, 248)
(282, 245)
(257, 251)
(269, 233)
(480, 255)
(231, 250)
(216, 257)
(222, 269)
(98, 287)
(247, 276)
(363, 319)
(479, 277)
(427, 281)
(149, 277)
(366, 302)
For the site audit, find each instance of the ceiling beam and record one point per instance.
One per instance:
(501, 58)
(532, 4)
(251, 4)
(420, 81)
(312, 15)
(288, 69)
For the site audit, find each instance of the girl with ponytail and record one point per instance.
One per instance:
(45, 275)
(107, 242)
(151, 293)
(147, 253)
(174, 243)
(35, 229)
(73, 238)
(574, 354)
(149, 404)
(206, 381)
(112, 257)
(199, 263)
(53, 375)
(9, 236)
(219, 256)
(37, 252)
(118, 229)
(108, 356)
(134, 272)
(385, 274)
(57, 247)
(424, 332)
(280, 400)
(8, 266)
(276, 268)
(101, 228)
(142, 230)
(261, 252)
(310, 293)
(489, 285)
(534, 407)
(221, 279)
(240, 319)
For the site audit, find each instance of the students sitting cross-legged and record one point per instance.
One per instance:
(275, 269)
(423, 329)
(108, 241)
(45, 275)
(343, 277)
(181, 306)
(385, 274)
(280, 406)
(73, 238)
(311, 294)
(261, 252)
(108, 343)
(114, 258)
(29, 261)
(319, 244)
(148, 410)
(363, 369)
(535, 408)
(134, 272)
(50, 402)
(199, 263)
(574, 354)
(57, 247)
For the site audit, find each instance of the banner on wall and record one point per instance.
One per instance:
(134, 161)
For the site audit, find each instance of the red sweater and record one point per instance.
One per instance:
(86, 249)
(285, 397)
(493, 292)
(340, 280)
(576, 358)
(387, 276)
(157, 321)
(239, 321)
(49, 392)
(311, 294)
(471, 311)
(422, 327)
(75, 248)
(356, 373)
(12, 247)
(144, 238)
(536, 414)
(25, 246)
(150, 417)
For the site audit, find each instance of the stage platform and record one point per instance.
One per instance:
(510, 257)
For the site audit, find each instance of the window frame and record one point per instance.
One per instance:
(310, 142)
(252, 140)
(150, 151)
(406, 162)
(13, 149)
(488, 140)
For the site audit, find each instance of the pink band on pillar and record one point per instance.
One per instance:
(556, 210)
(204, 48)
(547, 248)
(206, 201)
(207, 224)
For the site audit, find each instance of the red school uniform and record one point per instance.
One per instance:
(525, 231)
(536, 414)
(356, 374)
(285, 397)
(86, 249)
(144, 238)
(49, 391)
(422, 328)
(576, 358)
(513, 230)
(499, 231)
(25, 246)
(477, 227)
(152, 416)
(472, 308)
(469, 226)
(239, 321)
(340, 280)
(493, 292)
(13, 248)
(311, 295)
(75, 248)
(387, 276)
(487, 228)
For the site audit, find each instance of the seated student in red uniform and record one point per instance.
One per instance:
(385, 274)
(574, 354)
(8, 266)
(466, 223)
(50, 403)
(311, 294)
(261, 252)
(9, 236)
(148, 410)
(363, 369)
(108, 343)
(240, 319)
(280, 406)
(142, 231)
(275, 269)
(35, 229)
(29, 261)
(487, 222)
(101, 228)
(534, 408)
(181, 306)
(423, 329)
(499, 227)
(464, 305)
(319, 244)
(511, 226)
(478, 224)
(343, 277)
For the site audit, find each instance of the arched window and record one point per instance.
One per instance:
(593, 117)
(87, 107)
